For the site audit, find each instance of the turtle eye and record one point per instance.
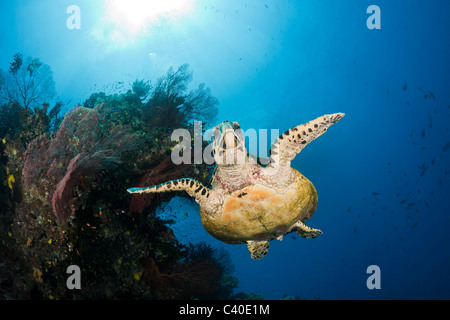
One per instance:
(236, 126)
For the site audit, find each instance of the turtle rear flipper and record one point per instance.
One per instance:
(304, 231)
(258, 249)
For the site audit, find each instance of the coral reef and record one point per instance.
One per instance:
(248, 296)
(85, 147)
(164, 171)
(27, 85)
(170, 104)
(63, 199)
(199, 275)
(141, 88)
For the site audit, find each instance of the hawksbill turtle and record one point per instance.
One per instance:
(249, 202)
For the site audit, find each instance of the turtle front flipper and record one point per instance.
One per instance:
(290, 143)
(258, 249)
(192, 187)
(304, 231)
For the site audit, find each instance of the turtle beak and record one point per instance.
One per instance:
(227, 135)
(228, 144)
(229, 139)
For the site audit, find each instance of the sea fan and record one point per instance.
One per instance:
(82, 148)
(80, 167)
(163, 172)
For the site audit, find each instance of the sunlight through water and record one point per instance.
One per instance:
(136, 16)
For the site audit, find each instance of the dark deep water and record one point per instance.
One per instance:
(382, 173)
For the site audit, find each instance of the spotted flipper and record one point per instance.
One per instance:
(304, 231)
(258, 249)
(290, 143)
(192, 187)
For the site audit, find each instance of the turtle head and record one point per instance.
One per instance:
(229, 144)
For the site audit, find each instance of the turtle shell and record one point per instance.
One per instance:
(258, 212)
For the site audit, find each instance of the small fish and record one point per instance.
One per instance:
(349, 209)
(414, 225)
(11, 180)
(37, 275)
(423, 133)
(432, 96)
(405, 87)
(266, 6)
(446, 147)
(375, 193)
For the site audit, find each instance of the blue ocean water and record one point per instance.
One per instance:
(382, 173)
